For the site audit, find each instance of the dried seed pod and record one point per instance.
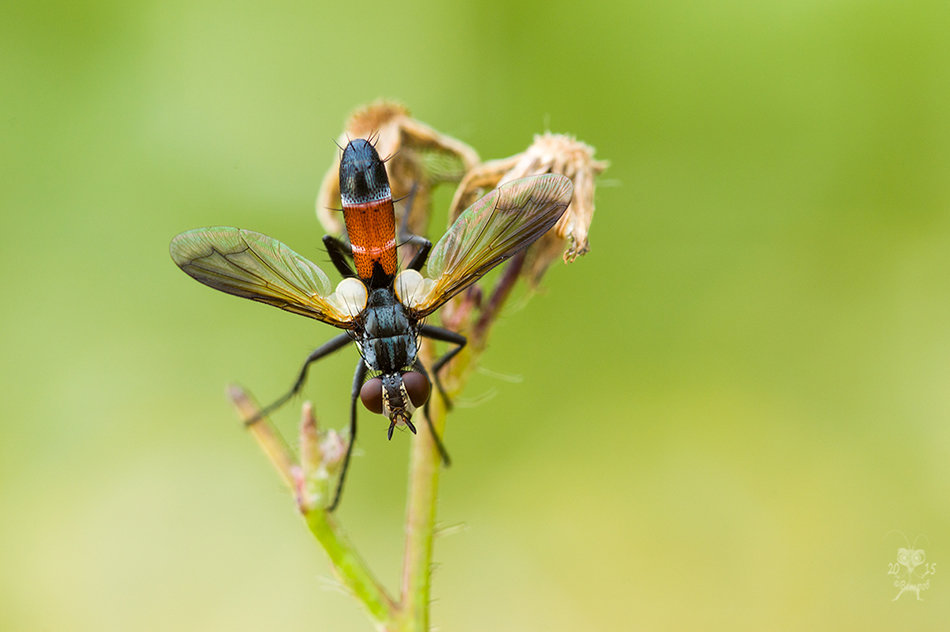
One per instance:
(417, 156)
(550, 153)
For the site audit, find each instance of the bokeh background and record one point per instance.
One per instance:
(728, 416)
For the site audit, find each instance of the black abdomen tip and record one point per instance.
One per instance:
(362, 174)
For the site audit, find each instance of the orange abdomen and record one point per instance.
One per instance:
(371, 227)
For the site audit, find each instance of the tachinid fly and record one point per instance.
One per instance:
(379, 307)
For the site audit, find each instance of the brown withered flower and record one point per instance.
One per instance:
(418, 159)
(550, 153)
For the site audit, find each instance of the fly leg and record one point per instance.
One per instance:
(334, 344)
(443, 335)
(421, 255)
(417, 366)
(339, 251)
(358, 378)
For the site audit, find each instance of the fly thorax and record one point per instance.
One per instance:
(389, 336)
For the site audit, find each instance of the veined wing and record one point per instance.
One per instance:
(493, 229)
(258, 267)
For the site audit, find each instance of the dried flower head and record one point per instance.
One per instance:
(418, 158)
(550, 153)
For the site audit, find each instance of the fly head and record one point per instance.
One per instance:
(396, 395)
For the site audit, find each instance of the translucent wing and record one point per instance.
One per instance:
(258, 267)
(493, 229)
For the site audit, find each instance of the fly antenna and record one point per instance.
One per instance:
(392, 425)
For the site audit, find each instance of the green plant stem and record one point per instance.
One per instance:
(351, 569)
(424, 471)
(425, 468)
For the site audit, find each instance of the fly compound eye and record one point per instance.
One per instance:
(372, 395)
(418, 387)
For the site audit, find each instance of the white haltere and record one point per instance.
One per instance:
(413, 289)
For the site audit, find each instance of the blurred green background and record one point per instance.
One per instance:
(732, 411)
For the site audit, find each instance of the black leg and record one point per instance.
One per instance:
(334, 344)
(338, 252)
(357, 384)
(422, 254)
(444, 335)
(425, 410)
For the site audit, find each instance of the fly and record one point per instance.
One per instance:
(378, 306)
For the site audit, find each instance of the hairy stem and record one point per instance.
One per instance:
(351, 569)
(424, 470)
